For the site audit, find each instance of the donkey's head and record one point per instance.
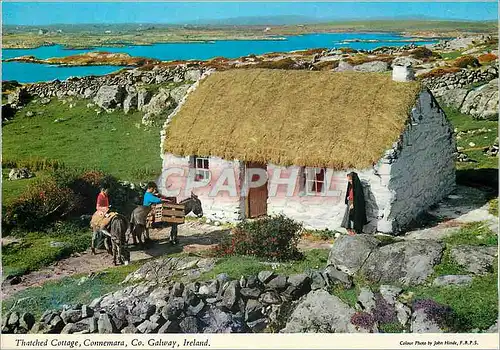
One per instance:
(193, 204)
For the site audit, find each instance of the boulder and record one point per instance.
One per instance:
(343, 67)
(109, 96)
(475, 259)
(421, 323)
(366, 299)
(405, 61)
(348, 253)
(104, 325)
(482, 103)
(189, 325)
(408, 262)
(265, 276)
(159, 103)
(20, 173)
(231, 294)
(452, 280)
(193, 75)
(336, 276)
(143, 98)
(179, 92)
(373, 67)
(278, 283)
(320, 312)
(130, 102)
(218, 321)
(454, 98)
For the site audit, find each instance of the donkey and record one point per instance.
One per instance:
(115, 238)
(138, 227)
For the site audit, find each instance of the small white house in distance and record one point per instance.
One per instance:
(313, 127)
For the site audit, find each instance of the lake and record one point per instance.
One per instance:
(30, 72)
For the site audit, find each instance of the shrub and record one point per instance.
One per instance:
(347, 50)
(487, 58)
(466, 61)
(384, 313)
(439, 72)
(41, 204)
(326, 65)
(441, 314)
(285, 63)
(273, 238)
(363, 320)
(421, 53)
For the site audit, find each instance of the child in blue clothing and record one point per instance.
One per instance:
(150, 197)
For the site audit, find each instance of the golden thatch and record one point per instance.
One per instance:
(323, 119)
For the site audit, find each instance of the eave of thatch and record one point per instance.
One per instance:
(323, 119)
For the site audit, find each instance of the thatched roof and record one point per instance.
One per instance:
(337, 120)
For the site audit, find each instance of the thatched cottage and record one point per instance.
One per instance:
(314, 127)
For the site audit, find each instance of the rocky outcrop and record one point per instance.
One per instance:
(109, 96)
(320, 312)
(407, 262)
(460, 43)
(341, 254)
(452, 280)
(475, 259)
(482, 103)
(373, 67)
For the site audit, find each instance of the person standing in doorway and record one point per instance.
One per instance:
(355, 214)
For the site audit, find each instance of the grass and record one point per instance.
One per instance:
(493, 209)
(34, 250)
(475, 306)
(111, 142)
(237, 266)
(451, 55)
(473, 234)
(11, 190)
(69, 290)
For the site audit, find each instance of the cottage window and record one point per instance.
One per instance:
(315, 180)
(200, 164)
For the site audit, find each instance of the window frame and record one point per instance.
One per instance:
(311, 183)
(201, 166)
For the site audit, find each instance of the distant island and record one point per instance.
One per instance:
(83, 36)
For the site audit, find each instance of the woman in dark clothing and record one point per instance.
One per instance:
(355, 214)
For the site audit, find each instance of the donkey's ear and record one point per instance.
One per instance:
(193, 195)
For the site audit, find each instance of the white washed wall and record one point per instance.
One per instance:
(223, 206)
(327, 212)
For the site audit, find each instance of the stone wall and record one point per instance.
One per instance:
(88, 86)
(463, 78)
(421, 168)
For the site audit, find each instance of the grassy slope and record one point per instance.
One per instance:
(110, 142)
(34, 249)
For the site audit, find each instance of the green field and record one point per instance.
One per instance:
(112, 142)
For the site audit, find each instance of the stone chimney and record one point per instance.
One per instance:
(403, 73)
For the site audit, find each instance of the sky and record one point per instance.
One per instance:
(39, 13)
